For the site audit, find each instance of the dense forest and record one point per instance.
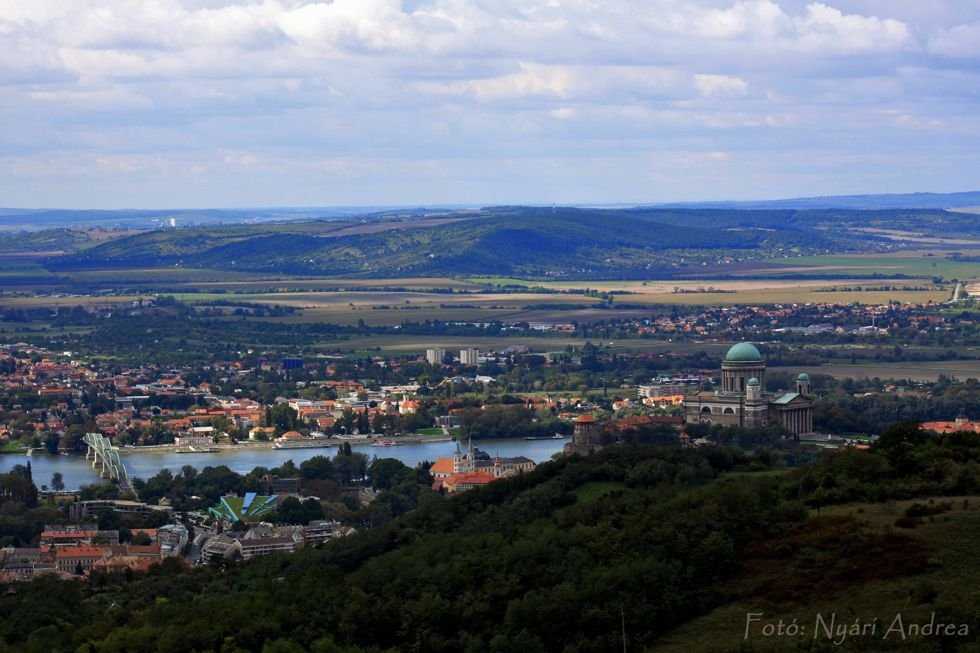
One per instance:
(576, 556)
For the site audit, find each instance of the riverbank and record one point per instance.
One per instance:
(305, 443)
(77, 471)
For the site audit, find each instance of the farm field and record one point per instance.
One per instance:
(128, 277)
(233, 281)
(756, 291)
(918, 371)
(11, 268)
(392, 301)
(916, 263)
(407, 344)
(381, 307)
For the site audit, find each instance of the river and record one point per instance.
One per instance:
(76, 471)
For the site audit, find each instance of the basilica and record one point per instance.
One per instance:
(743, 401)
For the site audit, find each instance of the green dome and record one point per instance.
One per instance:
(753, 381)
(743, 352)
(803, 377)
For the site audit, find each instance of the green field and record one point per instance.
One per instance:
(418, 344)
(157, 276)
(13, 268)
(591, 491)
(758, 291)
(924, 263)
(390, 302)
(917, 371)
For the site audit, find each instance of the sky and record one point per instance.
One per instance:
(237, 103)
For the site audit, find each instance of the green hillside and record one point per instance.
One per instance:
(500, 241)
(663, 547)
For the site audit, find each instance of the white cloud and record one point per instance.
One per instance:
(752, 19)
(107, 100)
(828, 29)
(720, 85)
(959, 41)
(532, 79)
(260, 85)
(356, 25)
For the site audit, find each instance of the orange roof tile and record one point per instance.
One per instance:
(442, 466)
(80, 552)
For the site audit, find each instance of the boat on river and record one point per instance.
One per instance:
(197, 450)
(303, 444)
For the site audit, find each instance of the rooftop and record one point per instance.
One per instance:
(743, 352)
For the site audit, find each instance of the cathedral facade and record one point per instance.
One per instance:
(743, 401)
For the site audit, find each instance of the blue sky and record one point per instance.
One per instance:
(221, 103)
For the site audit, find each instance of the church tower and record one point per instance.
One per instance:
(743, 362)
(803, 384)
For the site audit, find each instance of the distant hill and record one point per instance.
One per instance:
(34, 219)
(495, 241)
(858, 202)
(504, 241)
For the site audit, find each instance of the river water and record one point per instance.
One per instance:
(76, 471)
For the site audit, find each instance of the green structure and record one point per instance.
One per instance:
(101, 452)
(251, 507)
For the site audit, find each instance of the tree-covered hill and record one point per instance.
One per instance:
(631, 543)
(497, 241)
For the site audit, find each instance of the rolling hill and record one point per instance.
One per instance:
(496, 241)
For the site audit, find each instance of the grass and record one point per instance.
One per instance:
(758, 291)
(917, 371)
(757, 474)
(591, 491)
(12, 447)
(920, 263)
(156, 276)
(947, 581)
(375, 303)
(429, 431)
(418, 344)
(13, 269)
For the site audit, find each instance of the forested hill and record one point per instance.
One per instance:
(634, 543)
(506, 241)
(498, 241)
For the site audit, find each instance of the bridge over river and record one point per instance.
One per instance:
(101, 451)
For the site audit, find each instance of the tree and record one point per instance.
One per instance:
(57, 482)
(293, 511)
(350, 467)
(16, 488)
(73, 440)
(51, 440)
(317, 467)
(384, 473)
(141, 539)
(283, 417)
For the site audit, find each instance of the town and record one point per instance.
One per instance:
(584, 397)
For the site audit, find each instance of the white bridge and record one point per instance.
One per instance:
(101, 451)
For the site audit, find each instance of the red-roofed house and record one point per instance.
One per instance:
(467, 481)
